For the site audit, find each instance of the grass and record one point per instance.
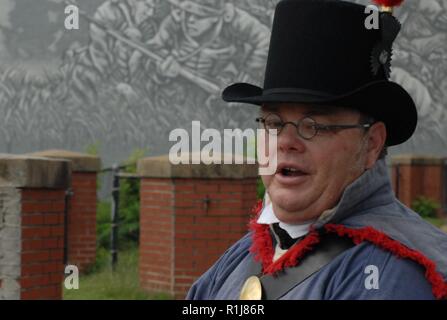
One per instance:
(103, 284)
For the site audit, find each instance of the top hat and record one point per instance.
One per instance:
(322, 53)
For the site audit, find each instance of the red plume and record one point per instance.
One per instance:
(389, 3)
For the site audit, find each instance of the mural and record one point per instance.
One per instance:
(420, 66)
(136, 69)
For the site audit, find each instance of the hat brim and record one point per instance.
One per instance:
(386, 101)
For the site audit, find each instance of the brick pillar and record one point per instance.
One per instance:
(32, 202)
(82, 206)
(189, 216)
(415, 176)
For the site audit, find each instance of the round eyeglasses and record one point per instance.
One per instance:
(307, 128)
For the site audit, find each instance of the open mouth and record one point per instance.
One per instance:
(291, 172)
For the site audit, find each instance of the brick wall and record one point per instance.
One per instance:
(203, 234)
(42, 244)
(32, 203)
(82, 220)
(156, 265)
(188, 219)
(414, 176)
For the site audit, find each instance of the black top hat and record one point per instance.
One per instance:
(321, 53)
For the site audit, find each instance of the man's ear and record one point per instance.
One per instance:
(376, 142)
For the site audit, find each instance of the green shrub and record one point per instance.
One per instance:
(260, 189)
(101, 262)
(93, 148)
(129, 206)
(426, 207)
(103, 218)
(129, 210)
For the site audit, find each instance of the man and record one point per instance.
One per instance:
(331, 227)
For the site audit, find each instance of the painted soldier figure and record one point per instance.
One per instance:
(105, 57)
(213, 39)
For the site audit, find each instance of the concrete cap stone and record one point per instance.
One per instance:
(161, 167)
(81, 162)
(413, 159)
(25, 171)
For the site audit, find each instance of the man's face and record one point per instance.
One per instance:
(196, 26)
(326, 164)
(144, 9)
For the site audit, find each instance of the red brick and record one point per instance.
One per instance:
(34, 281)
(156, 195)
(58, 207)
(57, 231)
(31, 294)
(32, 244)
(35, 232)
(52, 218)
(30, 257)
(186, 220)
(30, 269)
(57, 255)
(56, 278)
(204, 188)
(51, 243)
(41, 194)
(53, 267)
(157, 187)
(34, 219)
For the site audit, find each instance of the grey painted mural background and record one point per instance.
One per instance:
(74, 89)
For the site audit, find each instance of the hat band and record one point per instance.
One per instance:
(308, 92)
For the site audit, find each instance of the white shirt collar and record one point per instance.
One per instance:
(267, 216)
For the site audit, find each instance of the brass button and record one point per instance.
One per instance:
(252, 289)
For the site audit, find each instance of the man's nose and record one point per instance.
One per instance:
(288, 140)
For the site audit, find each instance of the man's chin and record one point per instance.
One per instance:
(287, 192)
(287, 200)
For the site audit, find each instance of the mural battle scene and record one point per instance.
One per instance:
(136, 69)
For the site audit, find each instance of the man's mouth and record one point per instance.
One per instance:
(290, 174)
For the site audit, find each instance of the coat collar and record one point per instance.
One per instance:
(371, 189)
